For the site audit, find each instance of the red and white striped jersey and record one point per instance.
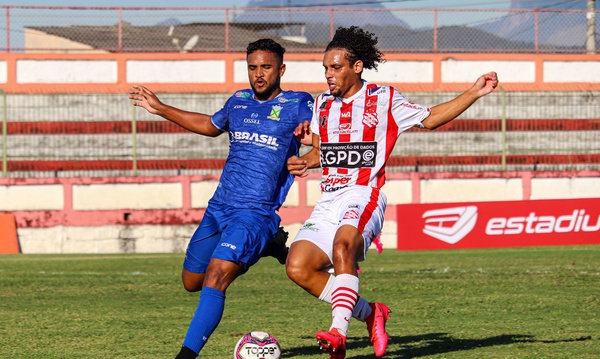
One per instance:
(358, 134)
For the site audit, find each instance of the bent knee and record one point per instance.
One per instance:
(298, 273)
(192, 282)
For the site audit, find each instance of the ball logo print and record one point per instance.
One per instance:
(450, 225)
(257, 345)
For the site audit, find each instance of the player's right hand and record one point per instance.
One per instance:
(145, 98)
(297, 166)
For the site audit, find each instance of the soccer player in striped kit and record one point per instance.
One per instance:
(354, 127)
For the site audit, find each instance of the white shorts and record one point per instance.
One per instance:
(359, 206)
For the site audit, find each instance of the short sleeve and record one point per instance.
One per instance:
(220, 119)
(408, 114)
(314, 122)
(305, 109)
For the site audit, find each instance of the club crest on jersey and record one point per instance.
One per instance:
(275, 113)
(370, 119)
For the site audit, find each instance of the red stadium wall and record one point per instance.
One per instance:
(402, 189)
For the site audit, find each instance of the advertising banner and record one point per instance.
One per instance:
(498, 224)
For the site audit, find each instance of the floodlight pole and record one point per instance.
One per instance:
(591, 27)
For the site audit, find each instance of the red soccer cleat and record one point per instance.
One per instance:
(333, 342)
(380, 313)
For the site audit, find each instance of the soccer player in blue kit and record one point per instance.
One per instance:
(241, 219)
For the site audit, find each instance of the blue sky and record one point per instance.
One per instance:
(450, 19)
(498, 4)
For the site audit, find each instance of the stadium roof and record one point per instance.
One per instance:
(211, 36)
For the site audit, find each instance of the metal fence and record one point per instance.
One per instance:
(300, 29)
(96, 135)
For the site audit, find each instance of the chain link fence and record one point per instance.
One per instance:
(97, 135)
(299, 29)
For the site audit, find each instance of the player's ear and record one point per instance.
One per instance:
(281, 70)
(358, 67)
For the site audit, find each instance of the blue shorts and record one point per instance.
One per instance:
(235, 235)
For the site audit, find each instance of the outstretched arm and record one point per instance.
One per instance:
(191, 121)
(448, 111)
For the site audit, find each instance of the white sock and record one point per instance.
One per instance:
(362, 309)
(343, 300)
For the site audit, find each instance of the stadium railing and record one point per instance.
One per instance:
(42, 138)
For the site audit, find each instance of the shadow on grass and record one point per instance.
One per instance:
(428, 344)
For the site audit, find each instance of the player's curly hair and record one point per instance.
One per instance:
(268, 45)
(360, 45)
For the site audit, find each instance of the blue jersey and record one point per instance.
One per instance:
(261, 140)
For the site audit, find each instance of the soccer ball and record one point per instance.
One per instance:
(257, 345)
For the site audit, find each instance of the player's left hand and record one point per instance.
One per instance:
(486, 83)
(145, 98)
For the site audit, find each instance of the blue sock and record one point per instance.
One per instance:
(207, 317)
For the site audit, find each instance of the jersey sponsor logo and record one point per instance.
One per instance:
(255, 138)
(275, 113)
(411, 105)
(346, 114)
(253, 120)
(344, 128)
(348, 155)
(450, 225)
(370, 119)
(310, 226)
(284, 100)
(236, 107)
(334, 183)
(577, 221)
(377, 103)
(376, 91)
(228, 245)
(242, 94)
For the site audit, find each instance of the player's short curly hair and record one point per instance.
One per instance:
(268, 45)
(360, 45)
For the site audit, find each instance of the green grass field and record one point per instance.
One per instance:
(541, 302)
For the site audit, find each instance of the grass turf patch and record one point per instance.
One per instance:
(534, 302)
